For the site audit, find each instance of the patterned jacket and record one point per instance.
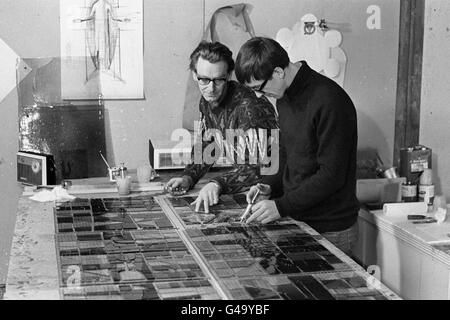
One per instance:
(240, 109)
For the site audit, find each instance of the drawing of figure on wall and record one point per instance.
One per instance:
(103, 37)
(102, 48)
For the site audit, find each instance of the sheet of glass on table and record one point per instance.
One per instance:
(281, 261)
(106, 214)
(347, 285)
(236, 250)
(124, 248)
(141, 264)
(228, 210)
(103, 257)
(164, 290)
(285, 259)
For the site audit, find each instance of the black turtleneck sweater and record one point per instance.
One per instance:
(316, 180)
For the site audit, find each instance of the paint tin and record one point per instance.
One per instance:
(409, 192)
(426, 193)
(115, 172)
(413, 161)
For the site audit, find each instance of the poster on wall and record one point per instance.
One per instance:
(101, 49)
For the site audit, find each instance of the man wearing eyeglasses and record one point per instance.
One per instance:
(316, 181)
(225, 104)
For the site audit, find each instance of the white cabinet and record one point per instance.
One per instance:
(409, 266)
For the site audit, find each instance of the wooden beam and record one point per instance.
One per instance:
(409, 75)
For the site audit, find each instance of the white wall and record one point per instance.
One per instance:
(435, 95)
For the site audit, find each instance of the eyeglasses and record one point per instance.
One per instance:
(206, 81)
(261, 87)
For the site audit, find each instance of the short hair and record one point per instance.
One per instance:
(257, 59)
(212, 52)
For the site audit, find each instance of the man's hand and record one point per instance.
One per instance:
(180, 183)
(264, 192)
(264, 211)
(209, 195)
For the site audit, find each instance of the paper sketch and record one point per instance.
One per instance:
(101, 49)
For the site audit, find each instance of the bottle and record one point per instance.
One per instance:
(426, 187)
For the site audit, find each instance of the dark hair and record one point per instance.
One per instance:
(212, 52)
(257, 59)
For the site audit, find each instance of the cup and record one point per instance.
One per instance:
(390, 173)
(123, 185)
(144, 173)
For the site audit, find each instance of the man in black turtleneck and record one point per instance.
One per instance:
(316, 182)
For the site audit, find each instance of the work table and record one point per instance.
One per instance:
(33, 269)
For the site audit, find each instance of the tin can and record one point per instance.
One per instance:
(120, 172)
(426, 193)
(409, 192)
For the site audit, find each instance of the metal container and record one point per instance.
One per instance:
(413, 161)
(120, 171)
(390, 173)
(409, 192)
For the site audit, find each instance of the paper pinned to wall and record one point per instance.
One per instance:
(319, 48)
(8, 63)
(102, 49)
